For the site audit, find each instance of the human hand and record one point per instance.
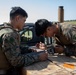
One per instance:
(41, 46)
(59, 49)
(43, 56)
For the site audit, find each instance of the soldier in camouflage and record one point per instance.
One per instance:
(11, 41)
(64, 34)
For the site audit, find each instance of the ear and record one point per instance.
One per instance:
(17, 18)
(48, 28)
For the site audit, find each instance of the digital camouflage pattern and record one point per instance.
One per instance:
(67, 38)
(12, 51)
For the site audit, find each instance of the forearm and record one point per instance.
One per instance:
(25, 49)
(31, 58)
(24, 60)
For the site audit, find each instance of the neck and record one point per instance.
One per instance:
(56, 29)
(14, 26)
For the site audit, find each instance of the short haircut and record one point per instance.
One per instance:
(18, 11)
(41, 26)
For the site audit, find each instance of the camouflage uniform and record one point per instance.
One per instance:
(11, 48)
(67, 38)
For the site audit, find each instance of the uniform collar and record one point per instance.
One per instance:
(9, 25)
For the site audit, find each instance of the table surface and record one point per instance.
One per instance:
(55, 65)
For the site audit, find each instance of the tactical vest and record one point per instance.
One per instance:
(4, 64)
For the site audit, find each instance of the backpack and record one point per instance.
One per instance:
(4, 64)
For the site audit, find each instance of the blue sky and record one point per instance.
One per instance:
(38, 9)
